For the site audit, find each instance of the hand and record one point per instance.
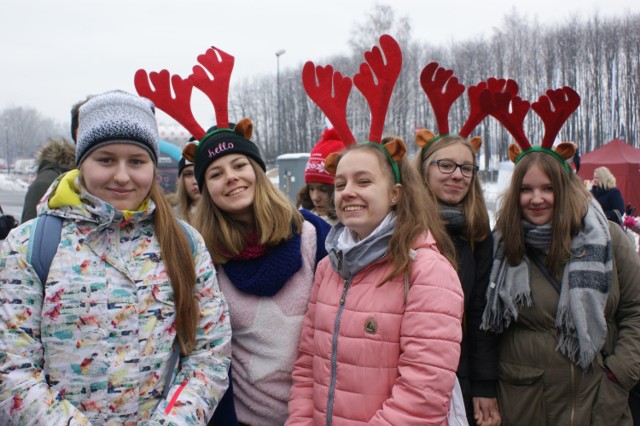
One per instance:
(486, 412)
(629, 221)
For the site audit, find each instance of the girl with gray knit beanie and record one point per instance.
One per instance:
(129, 326)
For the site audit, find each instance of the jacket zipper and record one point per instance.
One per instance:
(334, 350)
(573, 393)
(174, 398)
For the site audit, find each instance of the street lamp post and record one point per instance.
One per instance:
(6, 138)
(278, 126)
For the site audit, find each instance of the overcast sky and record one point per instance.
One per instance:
(55, 52)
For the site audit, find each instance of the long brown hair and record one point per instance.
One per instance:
(276, 219)
(303, 199)
(473, 204)
(571, 200)
(178, 260)
(409, 225)
(177, 257)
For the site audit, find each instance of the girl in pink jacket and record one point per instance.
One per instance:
(380, 342)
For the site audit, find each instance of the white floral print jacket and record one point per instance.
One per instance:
(93, 345)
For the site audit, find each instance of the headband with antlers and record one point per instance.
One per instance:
(443, 89)
(510, 110)
(220, 140)
(330, 91)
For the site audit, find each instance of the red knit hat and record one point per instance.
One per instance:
(329, 143)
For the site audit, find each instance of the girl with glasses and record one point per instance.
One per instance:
(448, 168)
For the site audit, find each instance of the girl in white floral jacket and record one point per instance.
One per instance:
(93, 344)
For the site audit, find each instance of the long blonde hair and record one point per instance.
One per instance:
(276, 220)
(473, 204)
(185, 202)
(571, 201)
(409, 225)
(605, 177)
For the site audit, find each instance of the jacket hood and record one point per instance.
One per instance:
(349, 256)
(349, 262)
(58, 151)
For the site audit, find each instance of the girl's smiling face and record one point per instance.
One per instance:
(450, 188)
(120, 174)
(231, 183)
(536, 196)
(364, 191)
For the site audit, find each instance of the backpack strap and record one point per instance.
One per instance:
(533, 256)
(189, 235)
(42, 249)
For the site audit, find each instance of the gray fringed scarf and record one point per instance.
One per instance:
(586, 279)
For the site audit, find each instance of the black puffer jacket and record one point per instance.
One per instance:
(57, 156)
(7, 223)
(478, 369)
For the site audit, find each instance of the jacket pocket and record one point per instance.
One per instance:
(521, 394)
(611, 403)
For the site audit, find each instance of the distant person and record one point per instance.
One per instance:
(130, 291)
(188, 195)
(75, 115)
(56, 157)
(317, 194)
(603, 188)
(7, 223)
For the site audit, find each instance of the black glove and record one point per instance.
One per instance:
(7, 223)
(630, 211)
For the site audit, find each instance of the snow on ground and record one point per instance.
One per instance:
(13, 183)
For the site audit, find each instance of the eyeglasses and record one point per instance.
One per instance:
(448, 167)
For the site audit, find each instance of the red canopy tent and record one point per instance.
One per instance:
(624, 162)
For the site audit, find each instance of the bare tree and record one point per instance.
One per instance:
(23, 131)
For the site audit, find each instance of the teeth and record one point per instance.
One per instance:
(353, 208)
(235, 191)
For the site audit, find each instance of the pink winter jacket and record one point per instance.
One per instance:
(369, 359)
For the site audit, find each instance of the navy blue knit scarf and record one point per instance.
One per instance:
(267, 274)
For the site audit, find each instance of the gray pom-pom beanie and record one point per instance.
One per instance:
(117, 117)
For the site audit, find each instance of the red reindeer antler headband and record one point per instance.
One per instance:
(212, 76)
(330, 91)
(510, 110)
(443, 89)
(218, 63)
